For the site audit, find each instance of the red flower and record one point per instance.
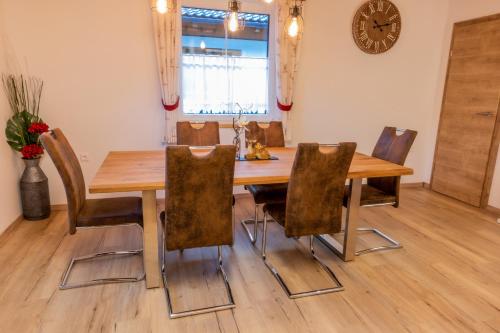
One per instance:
(38, 128)
(32, 151)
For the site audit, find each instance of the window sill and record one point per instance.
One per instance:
(226, 121)
(198, 125)
(221, 124)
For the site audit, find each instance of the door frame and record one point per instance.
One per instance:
(495, 140)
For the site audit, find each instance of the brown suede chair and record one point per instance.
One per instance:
(208, 135)
(271, 136)
(314, 201)
(198, 201)
(86, 213)
(393, 146)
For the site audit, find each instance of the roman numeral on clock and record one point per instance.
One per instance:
(372, 8)
(363, 36)
(380, 5)
(387, 10)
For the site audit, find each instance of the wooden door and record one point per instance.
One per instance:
(467, 141)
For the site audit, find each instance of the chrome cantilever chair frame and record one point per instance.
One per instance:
(220, 269)
(393, 243)
(63, 285)
(338, 286)
(252, 235)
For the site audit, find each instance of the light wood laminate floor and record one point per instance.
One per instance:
(445, 279)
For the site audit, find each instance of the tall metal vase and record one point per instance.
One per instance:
(35, 197)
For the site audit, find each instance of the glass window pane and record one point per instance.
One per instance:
(219, 71)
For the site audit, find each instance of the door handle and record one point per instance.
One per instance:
(485, 114)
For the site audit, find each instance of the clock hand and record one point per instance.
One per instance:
(380, 26)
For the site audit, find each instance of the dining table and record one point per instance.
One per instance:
(144, 171)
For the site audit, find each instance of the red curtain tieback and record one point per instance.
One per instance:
(171, 107)
(284, 107)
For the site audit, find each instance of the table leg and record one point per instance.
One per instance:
(347, 250)
(352, 218)
(151, 260)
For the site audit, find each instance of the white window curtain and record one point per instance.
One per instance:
(287, 58)
(168, 39)
(214, 84)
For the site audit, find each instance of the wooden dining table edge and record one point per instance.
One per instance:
(100, 189)
(396, 170)
(158, 186)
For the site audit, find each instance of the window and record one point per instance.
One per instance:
(219, 73)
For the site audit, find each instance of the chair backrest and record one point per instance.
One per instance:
(69, 169)
(271, 136)
(208, 135)
(199, 197)
(393, 146)
(316, 189)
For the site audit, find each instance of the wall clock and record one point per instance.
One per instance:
(376, 26)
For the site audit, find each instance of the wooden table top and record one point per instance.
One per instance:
(128, 171)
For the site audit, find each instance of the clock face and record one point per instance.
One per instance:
(376, 26)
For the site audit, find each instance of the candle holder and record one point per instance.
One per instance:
(239, 126)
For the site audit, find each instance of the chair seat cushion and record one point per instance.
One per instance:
(371, 196)
(110, 211)
(272, 193)
(277, 211)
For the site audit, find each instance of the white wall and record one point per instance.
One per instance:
(345, 94)
(98, 63)
(10, 167)
(460, 10)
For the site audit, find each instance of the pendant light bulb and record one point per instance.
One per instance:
(295, 23)
(233, 25)
(161, 6)
(293, 28)
(233, 20)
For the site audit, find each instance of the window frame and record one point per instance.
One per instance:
(250, 7)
